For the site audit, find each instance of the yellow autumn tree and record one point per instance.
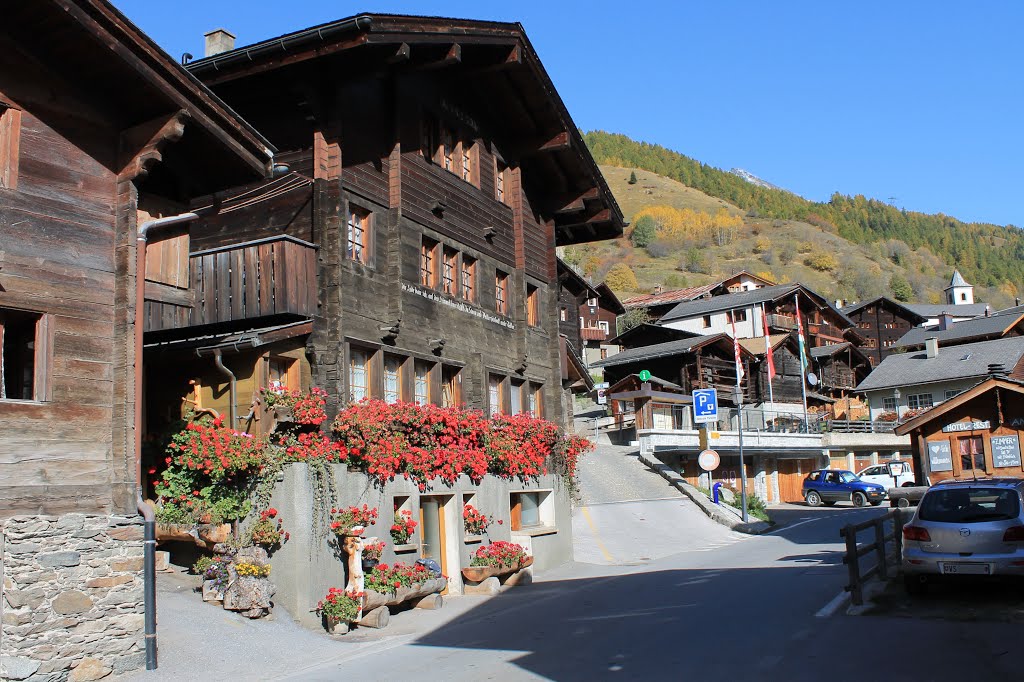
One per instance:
(621, 278)
(674, 224)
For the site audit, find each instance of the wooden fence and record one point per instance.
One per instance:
(885, 544)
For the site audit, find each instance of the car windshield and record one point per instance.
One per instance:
(969, 505)
(848, 477)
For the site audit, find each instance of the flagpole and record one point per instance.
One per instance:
(767, 353)
(803, 361)
(739, 426)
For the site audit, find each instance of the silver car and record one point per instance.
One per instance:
(965, 528)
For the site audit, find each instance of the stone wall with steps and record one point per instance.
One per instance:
(72, 597)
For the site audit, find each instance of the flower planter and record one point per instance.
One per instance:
(335, 626)
(214, 534)
(473, 539)
(403, 549)
(212, 591)
(283, 413)
(369, 564)
(170, 532)
(375, 600)
(478, 574)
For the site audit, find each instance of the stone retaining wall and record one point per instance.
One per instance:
(72, 597)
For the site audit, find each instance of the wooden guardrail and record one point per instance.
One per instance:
(881, 538)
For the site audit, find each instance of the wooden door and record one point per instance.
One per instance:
(792, 473)
(432, 531)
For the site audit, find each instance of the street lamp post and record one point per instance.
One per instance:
(896, 395)
(743, 466)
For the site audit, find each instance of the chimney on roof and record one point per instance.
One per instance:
(658, 289)
(988, 311)
(996, 369)
(217, 41)
(931, 347)
(945, 321)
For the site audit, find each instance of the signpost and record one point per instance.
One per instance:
(708, 460)
(705, 406)
(940, 457)
(644, 375)
(1005, 451)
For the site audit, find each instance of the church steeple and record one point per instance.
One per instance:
(959, 292)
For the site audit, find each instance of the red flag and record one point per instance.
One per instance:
(736, 352)
(768, 347)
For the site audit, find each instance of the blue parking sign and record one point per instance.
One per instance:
(705, 405)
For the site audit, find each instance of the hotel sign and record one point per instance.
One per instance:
(966, 426)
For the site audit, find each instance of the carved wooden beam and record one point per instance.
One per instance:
(401, 54)
(576, 203)
(142, 146)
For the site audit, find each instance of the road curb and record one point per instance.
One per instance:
(707, 506)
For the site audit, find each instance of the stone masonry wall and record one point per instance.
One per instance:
(72, 590)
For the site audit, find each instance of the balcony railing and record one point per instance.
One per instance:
(781, 321)
(264, 278)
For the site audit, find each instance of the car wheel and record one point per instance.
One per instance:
(859, 499)
(915, 586)
(813, 498)
(830, 503)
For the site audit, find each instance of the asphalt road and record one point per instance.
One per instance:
(741, 611)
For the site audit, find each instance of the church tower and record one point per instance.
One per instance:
(959, 292)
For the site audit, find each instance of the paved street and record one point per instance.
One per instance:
(679, 598)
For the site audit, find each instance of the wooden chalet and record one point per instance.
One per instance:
(691, 363)
(882, 322)
(653, 404)
(741, 311)
(573, 293)
(597, 323)
(659, 302)
(101, 132)
(82, 170)
(409, 254)
(974, 434)
(839, 368)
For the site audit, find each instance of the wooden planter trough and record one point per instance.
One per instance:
(478, 574)
(425, 595)
(205, 535)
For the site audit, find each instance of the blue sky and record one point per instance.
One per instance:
(920, 101)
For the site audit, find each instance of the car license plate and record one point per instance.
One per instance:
(966, 569)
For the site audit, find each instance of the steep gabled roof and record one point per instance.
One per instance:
(573, 282)
(755, 346)
(494, 65)
(649, 334)
(952, 363)
(957, 281)
(666, 297)
(956, 401)
(903, 310)
(742, 299)
(609, 301)
(934, 310)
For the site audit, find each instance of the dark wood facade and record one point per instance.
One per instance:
(977, 433)
(433, 170)
(101, 130)
(882, 322)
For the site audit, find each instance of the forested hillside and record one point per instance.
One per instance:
(987, 255)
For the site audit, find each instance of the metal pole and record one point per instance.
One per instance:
(743, 467)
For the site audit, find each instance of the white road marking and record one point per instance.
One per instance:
(829, 609)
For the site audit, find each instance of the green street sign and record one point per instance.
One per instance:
(645, 375)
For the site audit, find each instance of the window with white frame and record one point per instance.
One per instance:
(421, 382)
(889, 404)
(951, 394)
(531, 510)
(920, 401)
(392, 378)
(358, 374)
(358, 236)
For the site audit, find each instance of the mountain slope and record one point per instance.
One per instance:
(989, 255)
(776, 248)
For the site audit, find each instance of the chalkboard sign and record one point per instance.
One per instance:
(939, 456)
(1005, 451)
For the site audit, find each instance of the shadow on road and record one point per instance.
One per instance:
(965, 599)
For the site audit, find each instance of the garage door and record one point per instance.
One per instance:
(791, 478)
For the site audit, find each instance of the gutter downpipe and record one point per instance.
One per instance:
(218, 361)
(148, 514)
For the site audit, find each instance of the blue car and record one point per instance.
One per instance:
(828, 486)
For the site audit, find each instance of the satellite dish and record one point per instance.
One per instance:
(812, 378)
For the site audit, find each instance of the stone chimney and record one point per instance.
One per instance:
(931, 347)
(217, 41)
(945, 321)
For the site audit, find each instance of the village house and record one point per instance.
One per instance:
(1003, 324)
(906, 384)
(659, 302)
(882, 322)
(406, 254)
(104, 142)
(976, 433)
(597, 324)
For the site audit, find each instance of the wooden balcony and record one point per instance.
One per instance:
(265, 278)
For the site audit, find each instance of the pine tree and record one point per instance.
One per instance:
(632, 178)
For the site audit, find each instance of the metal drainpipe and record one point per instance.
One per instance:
(148, 515)
(218, 360)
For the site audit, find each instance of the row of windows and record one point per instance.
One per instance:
(731, 316)
(458, 153)
(455, 274)
(507, 395)
(919, 401)
(394, 378)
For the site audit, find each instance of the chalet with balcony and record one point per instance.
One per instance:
(882, 321)
(597, 324)
(100, 132)
(409, 251)
(746, 313)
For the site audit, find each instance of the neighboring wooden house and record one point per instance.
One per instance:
(697, 362)
(648, 335)
(100, 132)
(839, 368)
(597, 324)
(573, 291)
(974, 434)
(741, 313)
(660, 302)
(906, 384)
(882, 322)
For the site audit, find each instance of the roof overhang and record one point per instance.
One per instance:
(956, 401)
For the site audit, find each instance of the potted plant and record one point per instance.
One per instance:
(474, 521)
(268, 532)
(496, 558)
(371, 555)
(296, 406)
(403, 527)
(214, 573)
(352, 520)
(339, 606)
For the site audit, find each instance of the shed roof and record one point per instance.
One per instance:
(660, 350)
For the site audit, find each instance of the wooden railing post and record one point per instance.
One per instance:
(852, 564)
(880, 548)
